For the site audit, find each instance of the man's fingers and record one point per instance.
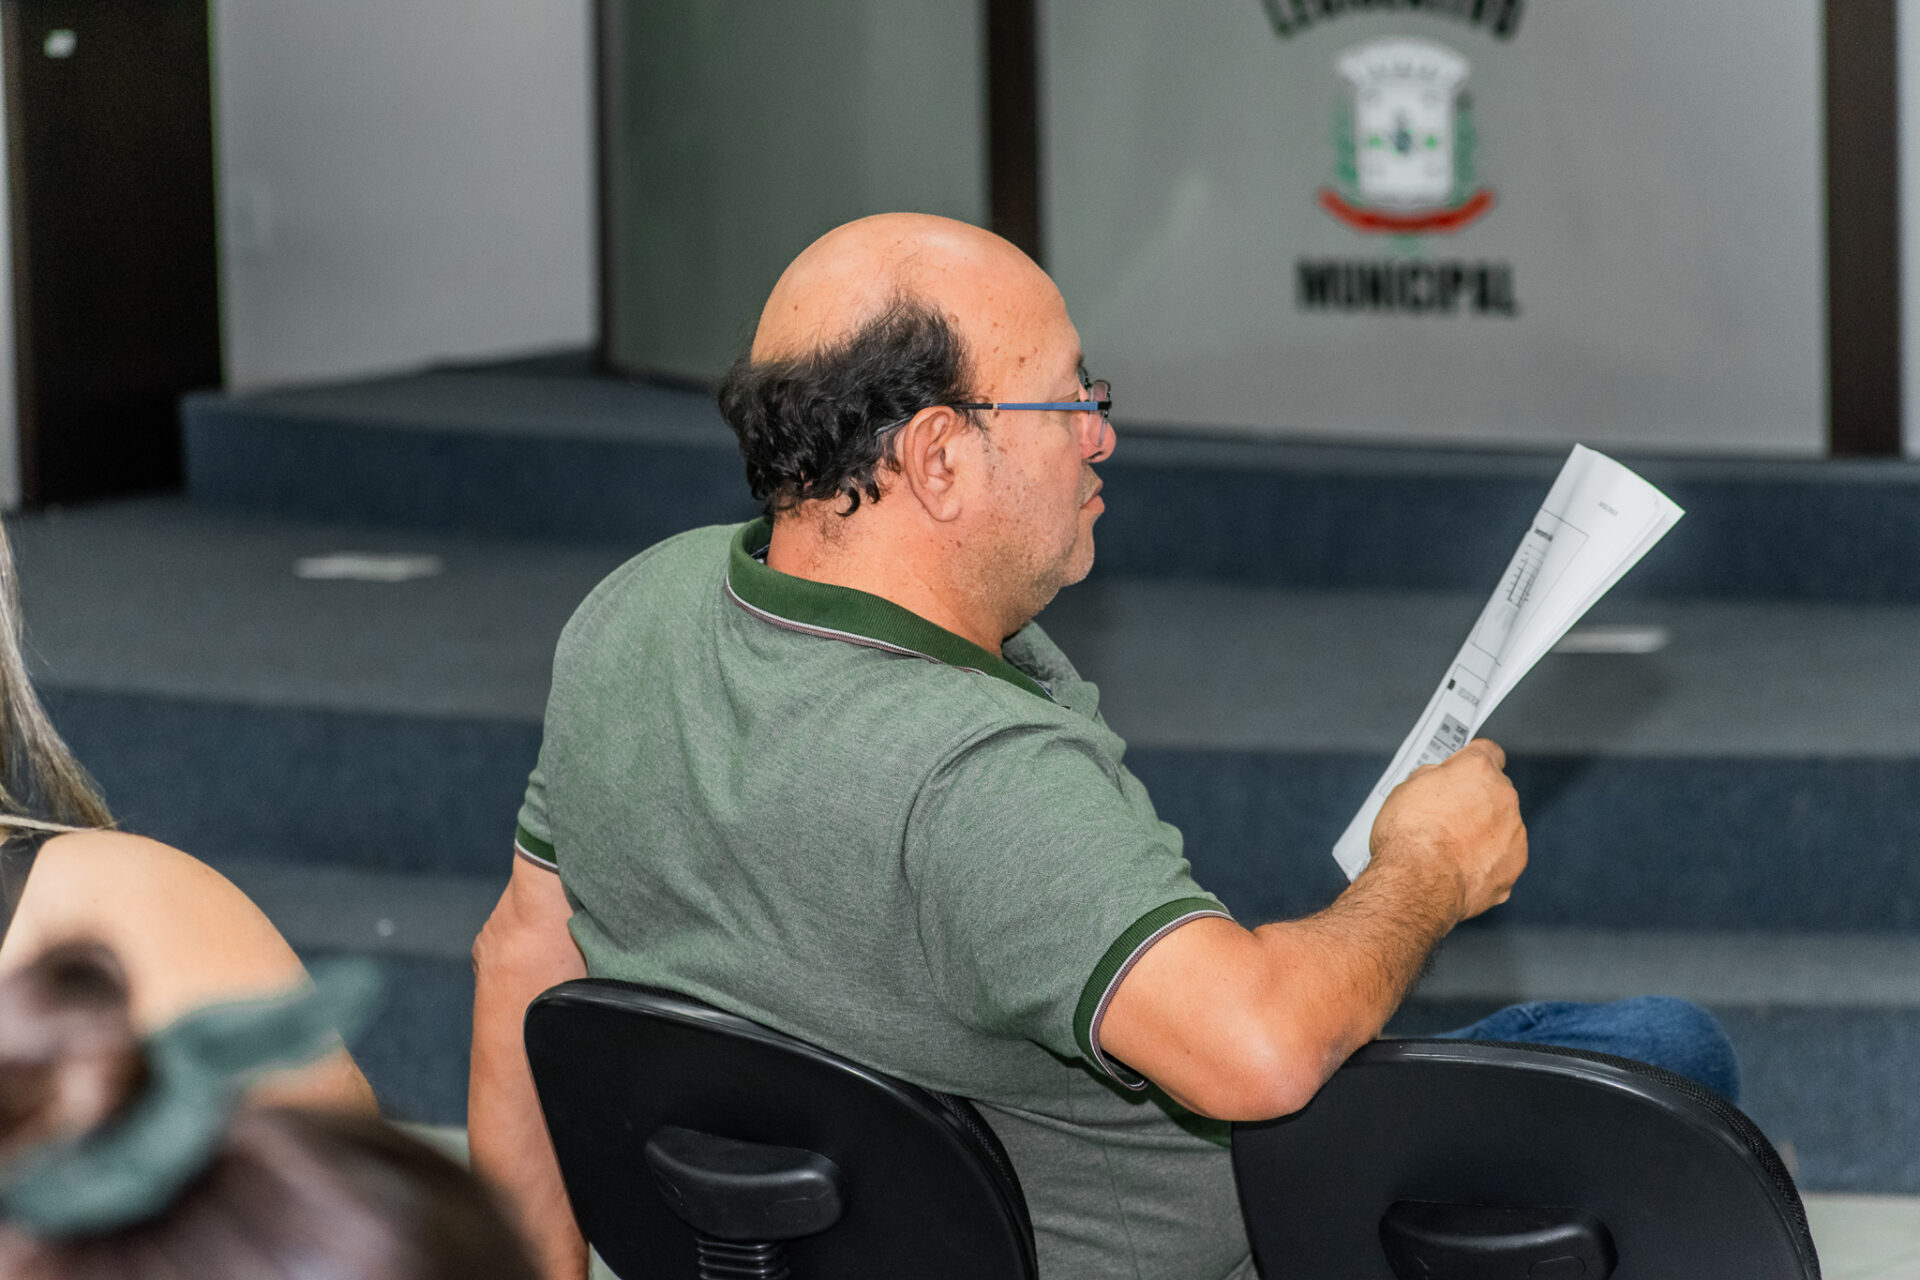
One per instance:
(1490, 749)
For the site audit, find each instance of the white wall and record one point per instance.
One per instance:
(402, 181)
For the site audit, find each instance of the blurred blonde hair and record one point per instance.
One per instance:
(42, 787)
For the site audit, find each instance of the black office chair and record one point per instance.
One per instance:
(1469, 1160)
(697, 1143)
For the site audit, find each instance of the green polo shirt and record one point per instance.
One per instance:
(814, 808)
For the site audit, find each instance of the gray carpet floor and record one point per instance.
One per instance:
(161, 597)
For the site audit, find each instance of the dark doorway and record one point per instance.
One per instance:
(1863, 229)
(115, 266)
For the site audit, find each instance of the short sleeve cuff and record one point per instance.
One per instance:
(1117, 963)
(535, 850)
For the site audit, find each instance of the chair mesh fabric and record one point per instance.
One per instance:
(1735, 1119)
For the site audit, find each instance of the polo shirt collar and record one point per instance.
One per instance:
(842, 613)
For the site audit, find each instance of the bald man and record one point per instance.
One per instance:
(824, 770)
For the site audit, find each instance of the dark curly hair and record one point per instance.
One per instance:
(809, 426)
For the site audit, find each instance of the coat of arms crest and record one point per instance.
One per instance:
(1404, 141)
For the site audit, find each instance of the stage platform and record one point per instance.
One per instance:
(1756, 769)
(544, 449)
(1730, 818)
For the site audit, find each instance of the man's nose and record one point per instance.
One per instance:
(1104, 441)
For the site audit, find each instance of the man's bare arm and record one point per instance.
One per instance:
(523, 950)
(1248, 1024)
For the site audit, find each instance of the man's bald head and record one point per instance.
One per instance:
(908, 354)
(856, 273)
(873, 323)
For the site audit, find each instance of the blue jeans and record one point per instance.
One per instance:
(1670, 1033)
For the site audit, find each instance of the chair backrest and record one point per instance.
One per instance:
(1470, 1160)
(919, 1185)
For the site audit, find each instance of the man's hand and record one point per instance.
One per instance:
(524, 949)
(1463, 817)
(1248, 1024)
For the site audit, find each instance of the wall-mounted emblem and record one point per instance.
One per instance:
(1291, 17)
(1404, 143)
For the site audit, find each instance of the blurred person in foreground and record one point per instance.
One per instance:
(824, 770)
(185, 934)
(131, 1159)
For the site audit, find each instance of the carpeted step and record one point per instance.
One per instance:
(551, 451)
(1824, 1033)
(1631, 843)
(1825, 1024)
(407, 793)
(1757, 772)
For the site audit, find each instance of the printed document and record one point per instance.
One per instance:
(1598, 520)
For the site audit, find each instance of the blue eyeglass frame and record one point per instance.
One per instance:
(1102, 407)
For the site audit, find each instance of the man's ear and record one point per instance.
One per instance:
(932, 452)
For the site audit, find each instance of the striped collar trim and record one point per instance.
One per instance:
(856, 617)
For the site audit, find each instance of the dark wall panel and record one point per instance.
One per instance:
(116, 302)
(1863, 228)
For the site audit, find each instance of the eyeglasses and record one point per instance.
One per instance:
(1099, 399)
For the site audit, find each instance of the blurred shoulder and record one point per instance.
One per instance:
(118, 864)
(187, 936)
(183, 929)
